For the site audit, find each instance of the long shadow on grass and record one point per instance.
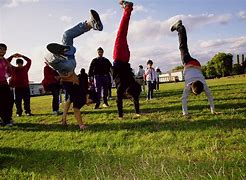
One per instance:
(161, 108)
(137, 125)
(84, 164)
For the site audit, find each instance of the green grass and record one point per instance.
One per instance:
(161, 144)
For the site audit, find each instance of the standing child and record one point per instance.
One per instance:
(62, 59)
(20, 82)
(122, 72)
(51, 83)
(194, 79)
(140, 77)
(6, 95)
(151, 79)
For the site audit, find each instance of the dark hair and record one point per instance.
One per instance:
(3, 46)
(150, 62)
(140, 66)
(197, 87)
(19, 61)
(100, 49)
(82, 71)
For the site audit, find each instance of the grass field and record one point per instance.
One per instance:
(161, 144)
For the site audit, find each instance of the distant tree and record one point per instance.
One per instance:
(204, 69)
(178, 68)
(210, 70)
(223, 64)
(237, 69)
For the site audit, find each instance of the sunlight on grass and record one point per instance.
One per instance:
(160, 144)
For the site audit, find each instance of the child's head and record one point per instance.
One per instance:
(19, 62)
(149, 63)
(140, 67)
(3, 49)
(100, 51)
(82, 71)
(197, 87)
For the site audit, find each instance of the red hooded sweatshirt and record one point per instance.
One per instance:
(19, 77)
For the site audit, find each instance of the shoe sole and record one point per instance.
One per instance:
(96, 17)
(56, 48)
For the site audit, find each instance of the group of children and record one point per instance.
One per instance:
(61, 58)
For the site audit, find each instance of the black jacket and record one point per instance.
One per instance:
(99, 66)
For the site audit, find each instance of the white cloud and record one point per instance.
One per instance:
(140, 8)
(15, 3)
(242, 15)
(66, 19)
(231, 42)
(107, 15)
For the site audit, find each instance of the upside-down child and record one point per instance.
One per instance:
(122, 72)
(194, 79)
(62, 59)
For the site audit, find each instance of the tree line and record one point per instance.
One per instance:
(221, 65)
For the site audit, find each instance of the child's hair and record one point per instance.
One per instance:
(140, 66)
(150, 62)
(100, 49)
(3, 46)
(19, 61)
(197, 87)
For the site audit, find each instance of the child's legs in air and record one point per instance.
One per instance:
(74, 32)
(121, 49)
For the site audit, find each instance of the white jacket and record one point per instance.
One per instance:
(192, 74)
(150, 74)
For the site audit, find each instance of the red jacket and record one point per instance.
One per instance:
(19, 78)
(50, 77)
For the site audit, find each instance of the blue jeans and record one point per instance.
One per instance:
(67, 63)
(102, 83)
(150, 86)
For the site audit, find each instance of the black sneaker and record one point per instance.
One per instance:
(97, 106)
(56, 48)
(95, 21)
(176, 25)
(125, 4)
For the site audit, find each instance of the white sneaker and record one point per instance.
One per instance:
(105, 105)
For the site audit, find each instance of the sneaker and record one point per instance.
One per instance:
(13, 122)
(125, 4)
(95, 21)
(57, 113)
(58, 49)
(82, 127)
(29, 114)
(105, 105)
(97, 106)
(18, 115)
(176, 25)
(10, 124)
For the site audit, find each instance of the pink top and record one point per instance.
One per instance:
(4, 69)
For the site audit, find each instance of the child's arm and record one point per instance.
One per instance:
(29, 62)
(186, 93)
(210, 98)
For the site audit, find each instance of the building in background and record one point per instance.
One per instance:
(36, 89)
(172, 77)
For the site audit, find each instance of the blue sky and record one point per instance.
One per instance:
(213, 26)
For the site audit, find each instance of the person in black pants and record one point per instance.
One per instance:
(6, 95)
(99, 73)
(51, 83)
(122, 72)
